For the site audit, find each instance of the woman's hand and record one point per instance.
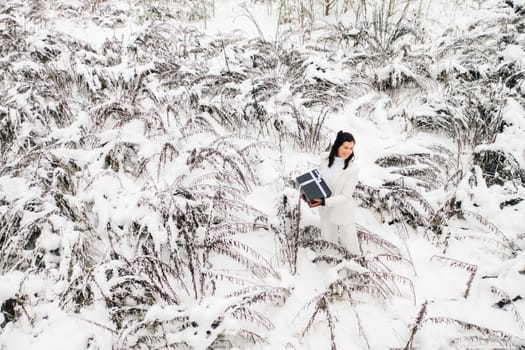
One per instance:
(315, 202)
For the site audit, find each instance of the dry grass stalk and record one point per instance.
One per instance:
(470, 268)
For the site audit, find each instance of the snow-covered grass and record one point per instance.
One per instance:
(148, 151)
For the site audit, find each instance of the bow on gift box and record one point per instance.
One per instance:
(317, 179)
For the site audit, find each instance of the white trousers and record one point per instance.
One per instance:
(345, 234)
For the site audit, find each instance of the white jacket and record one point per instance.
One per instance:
(340, 207)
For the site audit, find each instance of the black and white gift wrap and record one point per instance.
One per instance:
(313, 186)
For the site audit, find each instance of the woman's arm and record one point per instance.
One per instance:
(348, 189)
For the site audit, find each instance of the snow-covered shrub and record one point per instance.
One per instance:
(130, 176)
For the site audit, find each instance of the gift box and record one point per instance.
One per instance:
(312, 185)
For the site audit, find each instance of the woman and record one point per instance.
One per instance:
(340, 172)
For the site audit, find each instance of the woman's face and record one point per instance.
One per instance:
(346, 149)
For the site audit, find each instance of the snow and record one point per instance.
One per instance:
(115, 242)
(10, 284)
(251, 19)
(514, 53)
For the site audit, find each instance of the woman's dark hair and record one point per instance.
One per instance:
(341, 138)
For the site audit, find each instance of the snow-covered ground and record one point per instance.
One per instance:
(147, 197)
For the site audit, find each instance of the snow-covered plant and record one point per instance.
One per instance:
(390, 23)
(132, 167)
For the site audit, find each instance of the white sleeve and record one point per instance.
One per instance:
(348, 189)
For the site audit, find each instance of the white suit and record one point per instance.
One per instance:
(338, 213)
